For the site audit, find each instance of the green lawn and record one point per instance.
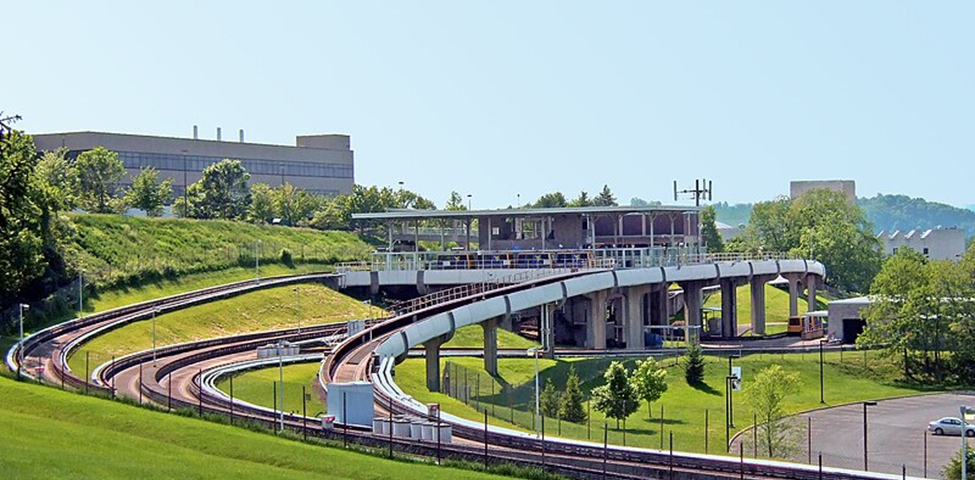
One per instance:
(47, 433)
(257, 387)
(472, 336)
(776, 307)
(684, 406)
(251, 312)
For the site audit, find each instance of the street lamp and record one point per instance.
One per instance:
(731, 395)
(727, 402)
(281, 379)
(965, 412)
(155, 310)
(20, 348)
(534, 352)
(865, 405)
(821, 377)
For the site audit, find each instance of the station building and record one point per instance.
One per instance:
(543, 228)
(321, 164)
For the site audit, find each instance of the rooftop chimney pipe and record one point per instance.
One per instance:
(218, 134)
(241, 135)
(196, 132)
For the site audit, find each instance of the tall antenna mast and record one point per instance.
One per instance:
(701, 191)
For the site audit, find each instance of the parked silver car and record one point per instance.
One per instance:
(950, 426)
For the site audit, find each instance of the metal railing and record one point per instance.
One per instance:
(615, 258)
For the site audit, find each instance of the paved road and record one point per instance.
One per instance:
(896, 434)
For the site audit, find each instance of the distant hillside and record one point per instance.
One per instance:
(900, 212)
(733, 215)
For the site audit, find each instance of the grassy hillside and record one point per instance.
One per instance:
(257, 386)
(116, 250)
(252, 312)
(850, 379)
(47, 433)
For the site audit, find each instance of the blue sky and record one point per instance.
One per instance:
(498, 99)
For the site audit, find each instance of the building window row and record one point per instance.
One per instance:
(196, 163)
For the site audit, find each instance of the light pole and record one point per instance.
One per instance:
(186, 188)
(281, 378)
(727, 418)
(298, 300)
(822, 399)
(257, 259)
(81, 297)
(965, 411)
(20, 348)
(865, 405)
(731, 395)
(155, 310)
(534, 352)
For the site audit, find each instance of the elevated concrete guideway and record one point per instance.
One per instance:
(636, 287)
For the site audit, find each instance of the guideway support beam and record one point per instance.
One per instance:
(795, 286)
(757, 287)
(491, 345)
(432, 348)
(811, 284)
(636, 316)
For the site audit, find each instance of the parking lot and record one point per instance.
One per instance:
(897, 430)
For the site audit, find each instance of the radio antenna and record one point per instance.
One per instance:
(701, 191)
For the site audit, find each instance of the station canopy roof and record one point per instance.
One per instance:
(407, 214)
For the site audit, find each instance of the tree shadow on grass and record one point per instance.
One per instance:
(705, 388)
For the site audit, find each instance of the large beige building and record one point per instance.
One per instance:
(317, 163)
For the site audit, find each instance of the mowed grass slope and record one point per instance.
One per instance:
(257, 387)
(120, 250)
(849, 380)
(52, 434)
(262, 310)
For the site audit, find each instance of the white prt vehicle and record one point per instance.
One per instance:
(950, 426)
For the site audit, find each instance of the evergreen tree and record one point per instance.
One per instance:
(616, 398)
(571, 404)
(582, 200)
(549, 399)
(605, 198)
(694, 365)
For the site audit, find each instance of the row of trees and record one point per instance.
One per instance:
(604, 198)
(923, 312)
(821, 224)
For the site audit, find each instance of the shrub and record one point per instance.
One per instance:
(286, 258)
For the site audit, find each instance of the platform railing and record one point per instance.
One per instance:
(615, 258)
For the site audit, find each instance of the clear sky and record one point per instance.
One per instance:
(497, 99)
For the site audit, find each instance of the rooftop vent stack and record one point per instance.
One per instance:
(218, 134)
(196, 132)
(241, 135)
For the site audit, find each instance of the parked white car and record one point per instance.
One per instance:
(950, 426)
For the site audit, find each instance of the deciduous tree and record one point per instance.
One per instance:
(222, 192)
(99, 173)
(765, 395)
(709, 230)
(649, 381)
(616, 398)
(148, 193)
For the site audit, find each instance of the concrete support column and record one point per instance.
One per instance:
(793, 295)
(811, 283)
(658, 304)
(432, 348)
(729, 308)
(491, 345)
(596, 321)
(757, 287)
(635, 317)
(693, 301)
